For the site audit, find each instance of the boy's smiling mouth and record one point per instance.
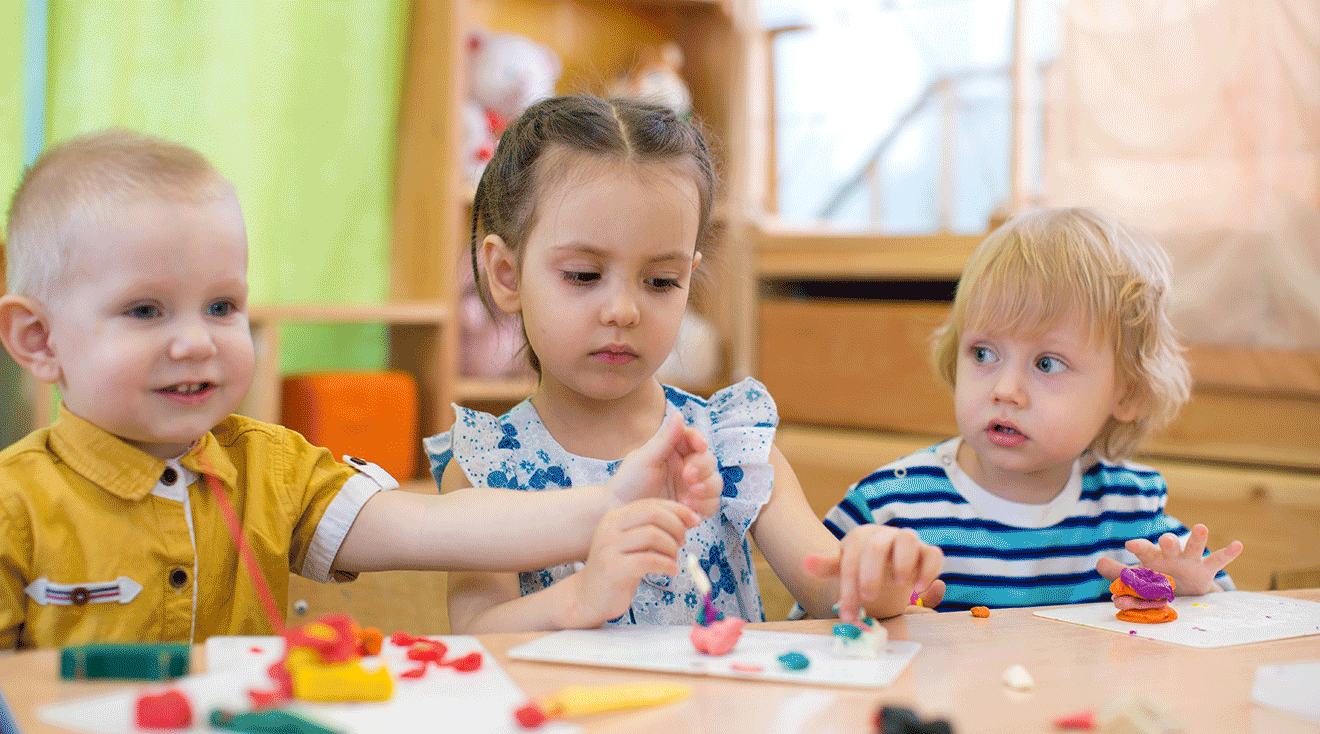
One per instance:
(186, 389)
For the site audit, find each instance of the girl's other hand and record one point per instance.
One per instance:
(675, 464)
(630, 541)
(878, 567)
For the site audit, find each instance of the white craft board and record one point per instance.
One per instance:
(480, 701)
(1212, 620)
(1290, 687)
(667, 649)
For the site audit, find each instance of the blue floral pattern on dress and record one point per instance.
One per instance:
(516, 451)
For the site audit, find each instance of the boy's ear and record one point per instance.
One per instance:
(501, 273)
(1128, 405)
(25, 332)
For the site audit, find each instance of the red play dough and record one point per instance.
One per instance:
(717, 638)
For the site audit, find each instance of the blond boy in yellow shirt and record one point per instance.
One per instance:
(127, 287)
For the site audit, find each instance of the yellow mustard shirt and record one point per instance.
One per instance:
(98, 543)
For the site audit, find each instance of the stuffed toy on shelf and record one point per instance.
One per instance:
(506, 73)
(655, 78)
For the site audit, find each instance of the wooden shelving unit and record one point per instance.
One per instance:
(418, 339)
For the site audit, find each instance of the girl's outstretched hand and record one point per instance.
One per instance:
(878, 567)
(630, 541)
(1192, 571)
(675, 464)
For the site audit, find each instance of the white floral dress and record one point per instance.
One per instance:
(516, 451)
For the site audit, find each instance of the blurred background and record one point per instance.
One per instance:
(866, 147)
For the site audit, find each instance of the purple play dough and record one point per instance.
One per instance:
(1147, 583)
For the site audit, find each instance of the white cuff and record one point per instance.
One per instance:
(339, 517)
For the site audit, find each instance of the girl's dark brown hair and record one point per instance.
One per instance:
(605, 129)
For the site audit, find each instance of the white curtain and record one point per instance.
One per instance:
(1200, 121)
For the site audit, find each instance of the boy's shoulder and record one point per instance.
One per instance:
(29, 450)
(915, 472)
(1099, 473)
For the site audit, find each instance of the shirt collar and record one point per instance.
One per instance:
(124, 470)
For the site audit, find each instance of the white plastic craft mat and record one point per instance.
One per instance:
(669, 650)
(482, 701)
(1212, 620)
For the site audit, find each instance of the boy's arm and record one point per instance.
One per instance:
(875, 570)
(630, 542)
(508, 530)
(13, 567)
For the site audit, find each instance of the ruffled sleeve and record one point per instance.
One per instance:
(475, 441)
(743, 421)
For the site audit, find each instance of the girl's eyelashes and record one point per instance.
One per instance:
(580, 278)
(143, 311)
(663, 284)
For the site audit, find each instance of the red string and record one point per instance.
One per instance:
(273, 616)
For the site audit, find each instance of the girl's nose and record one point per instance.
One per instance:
(192, 340)
(621, 309)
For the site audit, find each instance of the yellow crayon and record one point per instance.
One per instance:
(582, 700)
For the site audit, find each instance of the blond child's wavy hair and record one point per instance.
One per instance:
(87, 177)
(1030, 271)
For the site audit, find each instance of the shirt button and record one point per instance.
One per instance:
(169, 476)
(79, 596)
(356, 460)
(178, 578)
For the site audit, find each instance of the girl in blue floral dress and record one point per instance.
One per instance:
(590, 223)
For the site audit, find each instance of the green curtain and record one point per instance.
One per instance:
(14, 415)
(294, 100)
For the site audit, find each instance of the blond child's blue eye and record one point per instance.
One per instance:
(1050, 365)
(981, 355)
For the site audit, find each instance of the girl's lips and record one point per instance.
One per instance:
(614, 358)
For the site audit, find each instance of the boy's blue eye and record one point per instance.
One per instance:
(982, 355)
(573, 276)
(1050, 365)
(221, 308)
(144, 311)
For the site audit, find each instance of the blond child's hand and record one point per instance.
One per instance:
(631, 541)
(878, 567)
(1193, 573)
(675, 464)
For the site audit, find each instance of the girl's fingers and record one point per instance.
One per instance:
(932, 559)
(872, 563)
(849, 601)
(903, 559)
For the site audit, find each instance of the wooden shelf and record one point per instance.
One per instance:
(818, 254)
(418, 334)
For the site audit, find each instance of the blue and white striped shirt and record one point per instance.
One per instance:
(999, 553)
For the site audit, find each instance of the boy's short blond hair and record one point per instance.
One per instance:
(87, 177)
(1031, 270)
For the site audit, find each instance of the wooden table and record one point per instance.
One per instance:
(957, 675)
